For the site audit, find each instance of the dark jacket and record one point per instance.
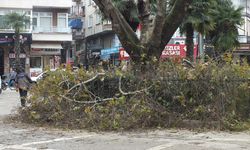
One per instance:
(23, 81)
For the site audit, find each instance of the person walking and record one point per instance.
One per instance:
(23, 83)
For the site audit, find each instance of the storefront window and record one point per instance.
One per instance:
(35, 62)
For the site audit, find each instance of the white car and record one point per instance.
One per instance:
(39, 77)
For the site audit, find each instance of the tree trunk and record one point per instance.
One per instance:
(156, 32)
(17, 50)
(190, 41)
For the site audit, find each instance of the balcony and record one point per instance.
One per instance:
(52, 4)
(29, 4)
(53, 29)
(107, 27)
(78, 35)
(77, 1)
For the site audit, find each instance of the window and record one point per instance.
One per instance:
(62, 20)
(35, 62)
(42, 20)
(4, 12)
(98, 19)
(106, 22)
(34, 22)
(2, 24)
(90, 22)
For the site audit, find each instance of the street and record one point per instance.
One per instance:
(18, 136)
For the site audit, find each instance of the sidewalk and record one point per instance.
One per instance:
(9, 101)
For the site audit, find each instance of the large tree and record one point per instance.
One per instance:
(17, 22)
(159, 20)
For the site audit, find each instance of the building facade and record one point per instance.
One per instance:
(243, 51)
(77, 24)
(42, 38)
(101, 42)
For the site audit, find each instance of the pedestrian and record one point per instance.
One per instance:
(23, 84)
(12, 77)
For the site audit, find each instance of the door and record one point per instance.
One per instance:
(1, 61)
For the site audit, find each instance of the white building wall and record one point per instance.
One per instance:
(37, 3)
(244, 30)
(93, 20)
(52, 37)
(52, 3)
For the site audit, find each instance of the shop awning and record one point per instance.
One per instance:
(105, 53)
(46, 46)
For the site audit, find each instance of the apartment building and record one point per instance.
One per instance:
(77, 23)
(244, 31)
(42, 38)
(101, 42)
(7, 54)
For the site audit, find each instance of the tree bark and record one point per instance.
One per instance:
(173, 20)
(17, 49)
(190, 41)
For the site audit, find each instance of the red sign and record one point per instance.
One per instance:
(176, 50)
(123, 54)
(170, 51)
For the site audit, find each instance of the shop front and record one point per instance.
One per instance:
(7, 51)
(111, 55)
(44, 56)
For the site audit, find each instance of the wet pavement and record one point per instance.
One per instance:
(9, 100)
(15, 136)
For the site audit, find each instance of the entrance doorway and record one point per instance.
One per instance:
(1, 61)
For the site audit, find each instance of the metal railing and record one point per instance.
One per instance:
(51, 29)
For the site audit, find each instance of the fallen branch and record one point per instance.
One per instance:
(98, 100)
(85, 82)
(130, 93)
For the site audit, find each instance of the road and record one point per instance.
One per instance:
(17, 136)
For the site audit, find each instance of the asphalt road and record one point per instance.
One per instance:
(17, 136)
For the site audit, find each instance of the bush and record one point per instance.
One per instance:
(208, 93)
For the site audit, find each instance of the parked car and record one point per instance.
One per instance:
(39, 77)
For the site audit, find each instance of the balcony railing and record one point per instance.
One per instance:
(78, 35)
(51, 30)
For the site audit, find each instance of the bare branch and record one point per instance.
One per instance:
(85, 82)
(98, 100)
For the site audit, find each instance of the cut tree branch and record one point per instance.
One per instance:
(130, 93)
(85, 82)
